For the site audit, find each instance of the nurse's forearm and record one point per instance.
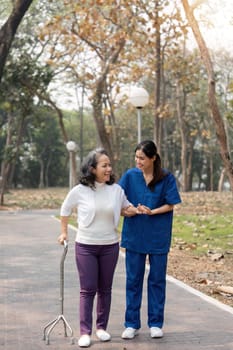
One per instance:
(163, 209)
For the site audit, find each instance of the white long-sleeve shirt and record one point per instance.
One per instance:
(98, 212)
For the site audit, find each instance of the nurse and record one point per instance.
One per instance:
(154, 191)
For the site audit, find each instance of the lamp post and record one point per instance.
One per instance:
(71, 147)
(138, 97)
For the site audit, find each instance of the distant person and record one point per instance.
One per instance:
(99, 202)
(153, 189)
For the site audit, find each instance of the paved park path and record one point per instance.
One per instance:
(30, 290)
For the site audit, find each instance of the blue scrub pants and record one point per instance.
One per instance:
(156, 288)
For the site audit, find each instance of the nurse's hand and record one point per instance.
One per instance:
(144, 209)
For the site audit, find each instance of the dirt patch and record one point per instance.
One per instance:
(202, 273)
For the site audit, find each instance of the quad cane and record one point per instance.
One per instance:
(50, 326)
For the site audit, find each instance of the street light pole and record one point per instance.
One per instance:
(139, 123)
(138, 97)
(71, 147)
(70, 171)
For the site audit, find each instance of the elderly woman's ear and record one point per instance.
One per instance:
(92, 170)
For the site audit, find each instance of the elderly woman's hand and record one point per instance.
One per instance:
(61, 238)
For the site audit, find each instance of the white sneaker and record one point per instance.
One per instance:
(103, 335)
(156, 332)
(129, 333)
(84, 341)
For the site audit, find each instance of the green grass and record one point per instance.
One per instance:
(203, 233)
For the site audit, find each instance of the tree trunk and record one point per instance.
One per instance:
(18, 141)
(46, 174)
(211, 173)
(5, 165)
(189, 165)
(180, 98)
(8, 30)
(97, 104)
(218, 120)
(157, 120)
(42, 168)
(221, 180)
(97, 112)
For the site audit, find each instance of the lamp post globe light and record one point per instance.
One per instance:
(71, 147)
(138, 97)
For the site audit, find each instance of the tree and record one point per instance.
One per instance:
(46, 145)
(8, 30)
(89, 41)
(215, 112)
(18, 101)
(185, 77)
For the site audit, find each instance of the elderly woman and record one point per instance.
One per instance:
(99, 202)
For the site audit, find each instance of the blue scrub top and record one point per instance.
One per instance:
(148, 234)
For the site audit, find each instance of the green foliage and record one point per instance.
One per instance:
(43, 149)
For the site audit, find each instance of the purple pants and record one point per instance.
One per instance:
(96, 265)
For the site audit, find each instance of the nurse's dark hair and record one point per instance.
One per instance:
(89, 163)
(149, 148)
